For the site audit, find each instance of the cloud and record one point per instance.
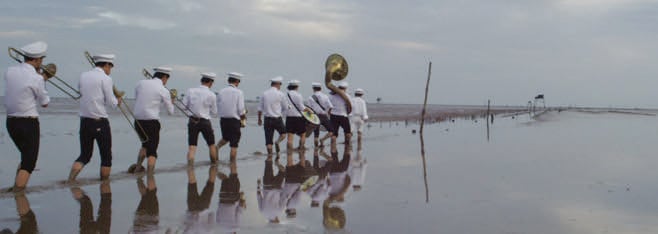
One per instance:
(137, 21)
(411, 45)
(17, 34)
(317, 19)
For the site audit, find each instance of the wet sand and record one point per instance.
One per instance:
(561, 172)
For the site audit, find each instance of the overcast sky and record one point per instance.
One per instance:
(581, 52)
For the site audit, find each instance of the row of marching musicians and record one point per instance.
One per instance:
(25, 91)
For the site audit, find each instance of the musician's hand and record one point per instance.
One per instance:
(243, 116)
(260, 122)
(120, 101)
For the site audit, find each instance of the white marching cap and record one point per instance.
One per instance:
(359, 91)
(277, 79)
(106, 58)
(316, 84)
(235, 75)
(35, 50)
(209, 75)
(293, 83)
(165, 70)
(343, 84)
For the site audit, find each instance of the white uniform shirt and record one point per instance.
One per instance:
(230, 102)
(96, 90)
(320, 190)
(270, 203)
(339, 105)
(201, 101)
(24, 89)
(324, 104)
(149, 94)
(228, 216)
(272, 103)
(358, 170)
(359, 108)
(293, 110)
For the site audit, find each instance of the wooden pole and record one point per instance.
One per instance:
(427, 87)
(422, 141)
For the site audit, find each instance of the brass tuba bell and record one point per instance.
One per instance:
(336, 69)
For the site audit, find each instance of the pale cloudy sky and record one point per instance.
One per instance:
(582, 52)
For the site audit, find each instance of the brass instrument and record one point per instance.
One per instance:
(174, 94)
(125, 109)
(50, 70)
(336, 69)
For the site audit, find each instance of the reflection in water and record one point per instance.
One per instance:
(358, 170)
(27, 217)
(319, 191)
(198, 203)
(103, 222)
(147, 215)
(333, 215)
(270, 200)
(292, 186)
(231, 200)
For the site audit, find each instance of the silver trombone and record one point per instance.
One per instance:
(63, 86)
(174, 93)
(125, 109)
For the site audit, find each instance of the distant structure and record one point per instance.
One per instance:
(538, 99)
(379, 99)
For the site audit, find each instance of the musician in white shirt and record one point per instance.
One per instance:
(24, 91)
(203, 104)
(359, 113)
(96, 93)
(295, 122)
(271, 105)
(270, 201)
(231, 200)
(339, 116)
(230, 103)
(149, 95)
(320, 104)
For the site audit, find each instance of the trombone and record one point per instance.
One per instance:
(143, 137)
(63, 86)
(174, 93)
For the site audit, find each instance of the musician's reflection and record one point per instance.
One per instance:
(147, 215)
(294, 177)
(333, 215)
(319, 191)
(270, 197)
(27, 217)
(231, 200)
(358, 170)
(103, 222)
(197, 203)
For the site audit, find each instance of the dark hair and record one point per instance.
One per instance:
(292, 87)
(358, 94)
(160, 75)
(233, 80)
(275, 83)
(317, 88)
(28, 59)
(102, 64)
(205, 80)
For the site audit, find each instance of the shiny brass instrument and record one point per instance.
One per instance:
(336, 69)
(125, 109)
(49, 70)
(178, 102)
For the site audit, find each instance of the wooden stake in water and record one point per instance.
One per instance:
(422, 141)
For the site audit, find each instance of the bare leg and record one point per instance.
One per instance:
(191, 151)
(75, 170)
(302, 142)
(213, 154)
(21, 180)
(333, 144)
(151, 165)
(234, 153)
(105, 173)
(278, 141)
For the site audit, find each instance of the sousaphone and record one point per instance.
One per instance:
(336, 70)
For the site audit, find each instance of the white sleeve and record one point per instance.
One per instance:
(166, 98)
(108, 92)
(40, 92)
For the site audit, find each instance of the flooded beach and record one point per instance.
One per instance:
(560, 172)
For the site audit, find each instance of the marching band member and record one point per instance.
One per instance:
(96, 90)
(230, 102)
(359, 112)
(231, 200)
(24, 91)
(320, 104)
(203, 104)
(149, 94)
(271, 105)
(295, 122)
(338, 116)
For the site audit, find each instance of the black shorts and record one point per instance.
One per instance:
(152, 129)
(95, 130)
(199, 202)
(338, 121)
(296, 125)
(230, 130)
(229, 192)
(196, 126)
(324, 121)
(25, 134)
(271, 181)
(271, 124)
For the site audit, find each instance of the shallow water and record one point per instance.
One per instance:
(567, 172)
